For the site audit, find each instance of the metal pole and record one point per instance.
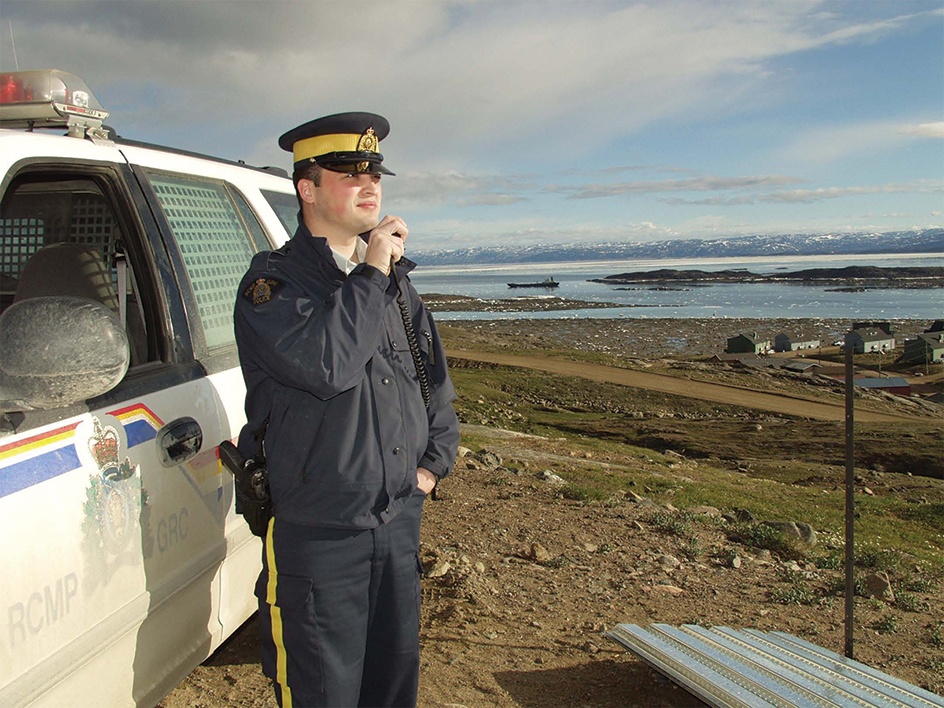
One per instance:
(850, 500)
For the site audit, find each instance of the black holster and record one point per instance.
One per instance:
(252, 487)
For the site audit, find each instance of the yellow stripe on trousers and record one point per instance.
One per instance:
(281, 659)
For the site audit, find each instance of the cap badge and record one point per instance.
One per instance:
(367, 143)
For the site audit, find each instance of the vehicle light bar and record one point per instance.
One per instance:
(49, 98)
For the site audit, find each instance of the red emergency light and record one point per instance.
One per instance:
(48, 98)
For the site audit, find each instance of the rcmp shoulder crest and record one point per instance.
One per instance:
(262, 289)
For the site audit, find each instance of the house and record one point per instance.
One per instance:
(886, 327)
(792, 341)
(893, 384)
(872, 339)
(928, 347)
(938, 326)
(801, 367)
(747, 344)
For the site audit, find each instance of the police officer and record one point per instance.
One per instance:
(349, 399)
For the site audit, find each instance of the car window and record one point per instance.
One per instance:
(285, 207)
(215, 245)
(60, 236)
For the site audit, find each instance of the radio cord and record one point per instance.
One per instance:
(421, 374)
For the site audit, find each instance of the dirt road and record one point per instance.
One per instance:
(719, 393)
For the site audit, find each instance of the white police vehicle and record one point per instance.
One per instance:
(124, 564)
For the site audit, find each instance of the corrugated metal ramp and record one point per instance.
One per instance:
(746, 668)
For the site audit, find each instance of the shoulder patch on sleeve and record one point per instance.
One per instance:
(262, 289)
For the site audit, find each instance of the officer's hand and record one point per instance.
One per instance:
(425, 480)
(382, 245)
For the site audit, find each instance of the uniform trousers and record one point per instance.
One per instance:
(339, 612)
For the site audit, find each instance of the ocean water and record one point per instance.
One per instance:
(761, 300)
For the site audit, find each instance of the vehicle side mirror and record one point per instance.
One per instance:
(57, 351)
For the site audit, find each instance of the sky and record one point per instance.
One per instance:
(518, 123)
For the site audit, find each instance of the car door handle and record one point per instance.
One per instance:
(179, 440)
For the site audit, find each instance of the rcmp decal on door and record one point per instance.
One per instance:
(116, 508)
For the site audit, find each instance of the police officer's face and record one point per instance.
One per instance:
(348, 202)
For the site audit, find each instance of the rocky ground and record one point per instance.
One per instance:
(525, 569)
(521, 584)
(522, 303)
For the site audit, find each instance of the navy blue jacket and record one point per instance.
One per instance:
(327, 363)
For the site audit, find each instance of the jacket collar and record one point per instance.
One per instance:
(317, 249)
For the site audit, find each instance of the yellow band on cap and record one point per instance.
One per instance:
(324, 144)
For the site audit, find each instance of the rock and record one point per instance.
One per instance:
(869, 492)
(878, 585)
(551, 478)
(705, 511)
(744, 516)
(735, 561)
(479, 567)
(797, 529)
(636, 526)
(669, 507)
(636, 497)
(667, 561)
(439, 569)
(668, 589)
(489, 459)
(463, 451)
(807, 533)
(539, 553)
(590, 547)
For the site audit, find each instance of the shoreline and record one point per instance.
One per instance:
(568, 266)
(655, 337)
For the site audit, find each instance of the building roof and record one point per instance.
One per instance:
(935, 339)
(799, 336)
(872, 335)
(890, 382)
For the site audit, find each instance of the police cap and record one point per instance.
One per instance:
(344, 142)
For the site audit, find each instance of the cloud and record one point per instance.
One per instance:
(458, 233)
(490, 200)
(923, 130)
(833, 143)
(809, 196)
(460, 81)
(433, 189)
(695, 184)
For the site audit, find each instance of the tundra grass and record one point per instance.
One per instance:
(577, 419)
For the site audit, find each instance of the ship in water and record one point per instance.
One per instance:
(548, 282)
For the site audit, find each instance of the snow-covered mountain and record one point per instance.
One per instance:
(922, 241)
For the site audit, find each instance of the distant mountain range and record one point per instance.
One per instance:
(922, 241)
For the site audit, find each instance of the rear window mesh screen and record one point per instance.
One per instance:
(215, 247)
(54, 218)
